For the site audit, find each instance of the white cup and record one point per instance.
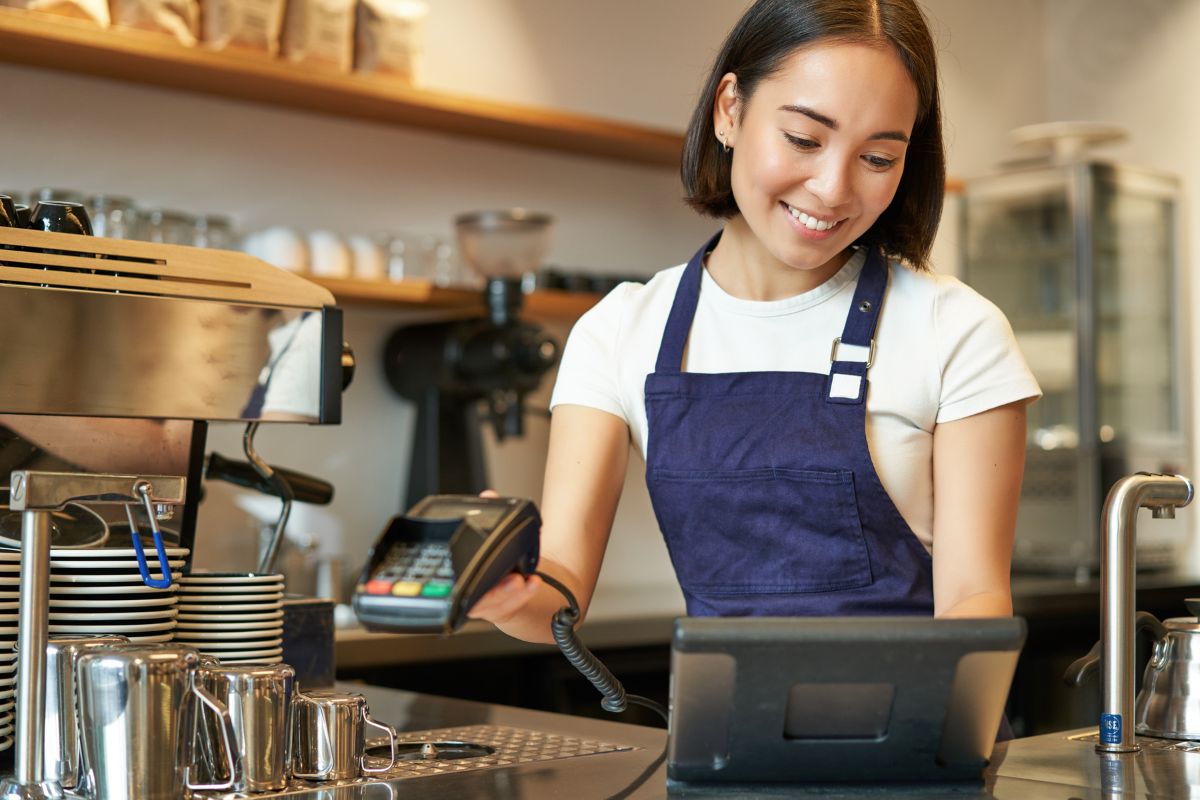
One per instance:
(329, 257)
(370, 259)
(280, 246)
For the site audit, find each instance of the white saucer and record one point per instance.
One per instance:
(246, 662)
(214, 622)
(117, 552)
(167, 601)
(66, 590)
(158, 637)
(125, 563)
(182, 634)
(189, 595)
(187, 587)
(156, 626)
(233, 608)
(132, 577)
(216, 648)
(217, 578)
(244, 654)
(66, 617)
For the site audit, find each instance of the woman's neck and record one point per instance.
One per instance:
(745, 269)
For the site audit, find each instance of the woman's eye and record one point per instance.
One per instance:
(879, 162)
(799, 142)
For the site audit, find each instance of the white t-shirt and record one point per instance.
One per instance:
(943, 352)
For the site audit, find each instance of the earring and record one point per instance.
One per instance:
(721, 136)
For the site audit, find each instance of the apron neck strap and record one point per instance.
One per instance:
(679, 323)
(868, 299)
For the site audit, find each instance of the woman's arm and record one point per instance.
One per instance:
(585, 470)
(977, 467)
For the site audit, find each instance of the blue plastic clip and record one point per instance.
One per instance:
(156, 583)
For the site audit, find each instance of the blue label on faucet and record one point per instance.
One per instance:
(1110, 728)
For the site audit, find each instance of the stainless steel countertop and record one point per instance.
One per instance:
(1049, 767)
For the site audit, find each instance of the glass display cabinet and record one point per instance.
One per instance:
(1083, 258)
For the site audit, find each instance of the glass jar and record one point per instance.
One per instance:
(113, 216)
(163, 226)
(214, 231)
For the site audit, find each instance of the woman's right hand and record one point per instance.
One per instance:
(510, 594)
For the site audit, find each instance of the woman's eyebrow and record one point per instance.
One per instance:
(832, 124)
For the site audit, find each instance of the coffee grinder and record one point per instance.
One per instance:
(465, 372)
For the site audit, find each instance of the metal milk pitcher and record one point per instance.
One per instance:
(138, 711)
(60, 735)
(259, 699)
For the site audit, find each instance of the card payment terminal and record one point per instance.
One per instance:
(431, 564)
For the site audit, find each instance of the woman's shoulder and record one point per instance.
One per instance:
(939, 295)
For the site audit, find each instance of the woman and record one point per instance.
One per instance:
(828, 428)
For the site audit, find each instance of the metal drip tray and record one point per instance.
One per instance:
(448, 750)
(1152, 742)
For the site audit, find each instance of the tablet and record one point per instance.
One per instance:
(824, 699)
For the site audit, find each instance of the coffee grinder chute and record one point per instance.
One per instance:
(448, 369)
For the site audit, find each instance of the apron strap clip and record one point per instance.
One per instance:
(870, 351)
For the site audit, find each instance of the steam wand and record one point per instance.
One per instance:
(283, 489)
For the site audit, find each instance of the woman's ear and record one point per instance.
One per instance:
(726, 108)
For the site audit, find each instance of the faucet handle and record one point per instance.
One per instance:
(1082, 669)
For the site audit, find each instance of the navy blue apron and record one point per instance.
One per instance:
(763, 485)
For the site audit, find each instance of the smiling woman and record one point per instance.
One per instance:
(828, 427)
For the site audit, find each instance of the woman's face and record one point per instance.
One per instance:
(819, 149)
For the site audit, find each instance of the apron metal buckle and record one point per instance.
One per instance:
(870, 351)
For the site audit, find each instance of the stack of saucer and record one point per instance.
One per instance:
(10, 579)
(94, 592)
(101, 591)
(235, 616)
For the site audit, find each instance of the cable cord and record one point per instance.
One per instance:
(562, 627)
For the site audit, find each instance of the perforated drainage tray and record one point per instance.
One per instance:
(449, 750)
(1152, 742)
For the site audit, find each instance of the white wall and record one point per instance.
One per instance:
(626, 59)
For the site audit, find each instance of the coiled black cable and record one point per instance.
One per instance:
(562, 627)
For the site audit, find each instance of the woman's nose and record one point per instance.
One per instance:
(830, 182)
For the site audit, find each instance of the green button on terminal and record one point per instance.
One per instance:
(437, 589)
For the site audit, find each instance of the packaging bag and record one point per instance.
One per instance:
(389, 37)
(320, 33)
(254, 25)
(179, 18)
(91, 10)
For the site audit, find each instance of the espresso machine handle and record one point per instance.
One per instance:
(306, 488)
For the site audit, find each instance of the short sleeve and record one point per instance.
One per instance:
(981, 364)
(588, 370)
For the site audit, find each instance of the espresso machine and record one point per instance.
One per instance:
(117, 351)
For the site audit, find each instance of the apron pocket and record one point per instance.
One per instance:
(762, 531)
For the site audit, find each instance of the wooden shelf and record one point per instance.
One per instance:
(550, 305)
(77, 46)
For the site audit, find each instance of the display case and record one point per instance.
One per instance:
(1083, 258)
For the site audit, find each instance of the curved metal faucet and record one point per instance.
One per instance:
(1162, 494)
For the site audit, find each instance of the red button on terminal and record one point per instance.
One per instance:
(379, 587)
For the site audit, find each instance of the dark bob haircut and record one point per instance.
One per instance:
(757, 47)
